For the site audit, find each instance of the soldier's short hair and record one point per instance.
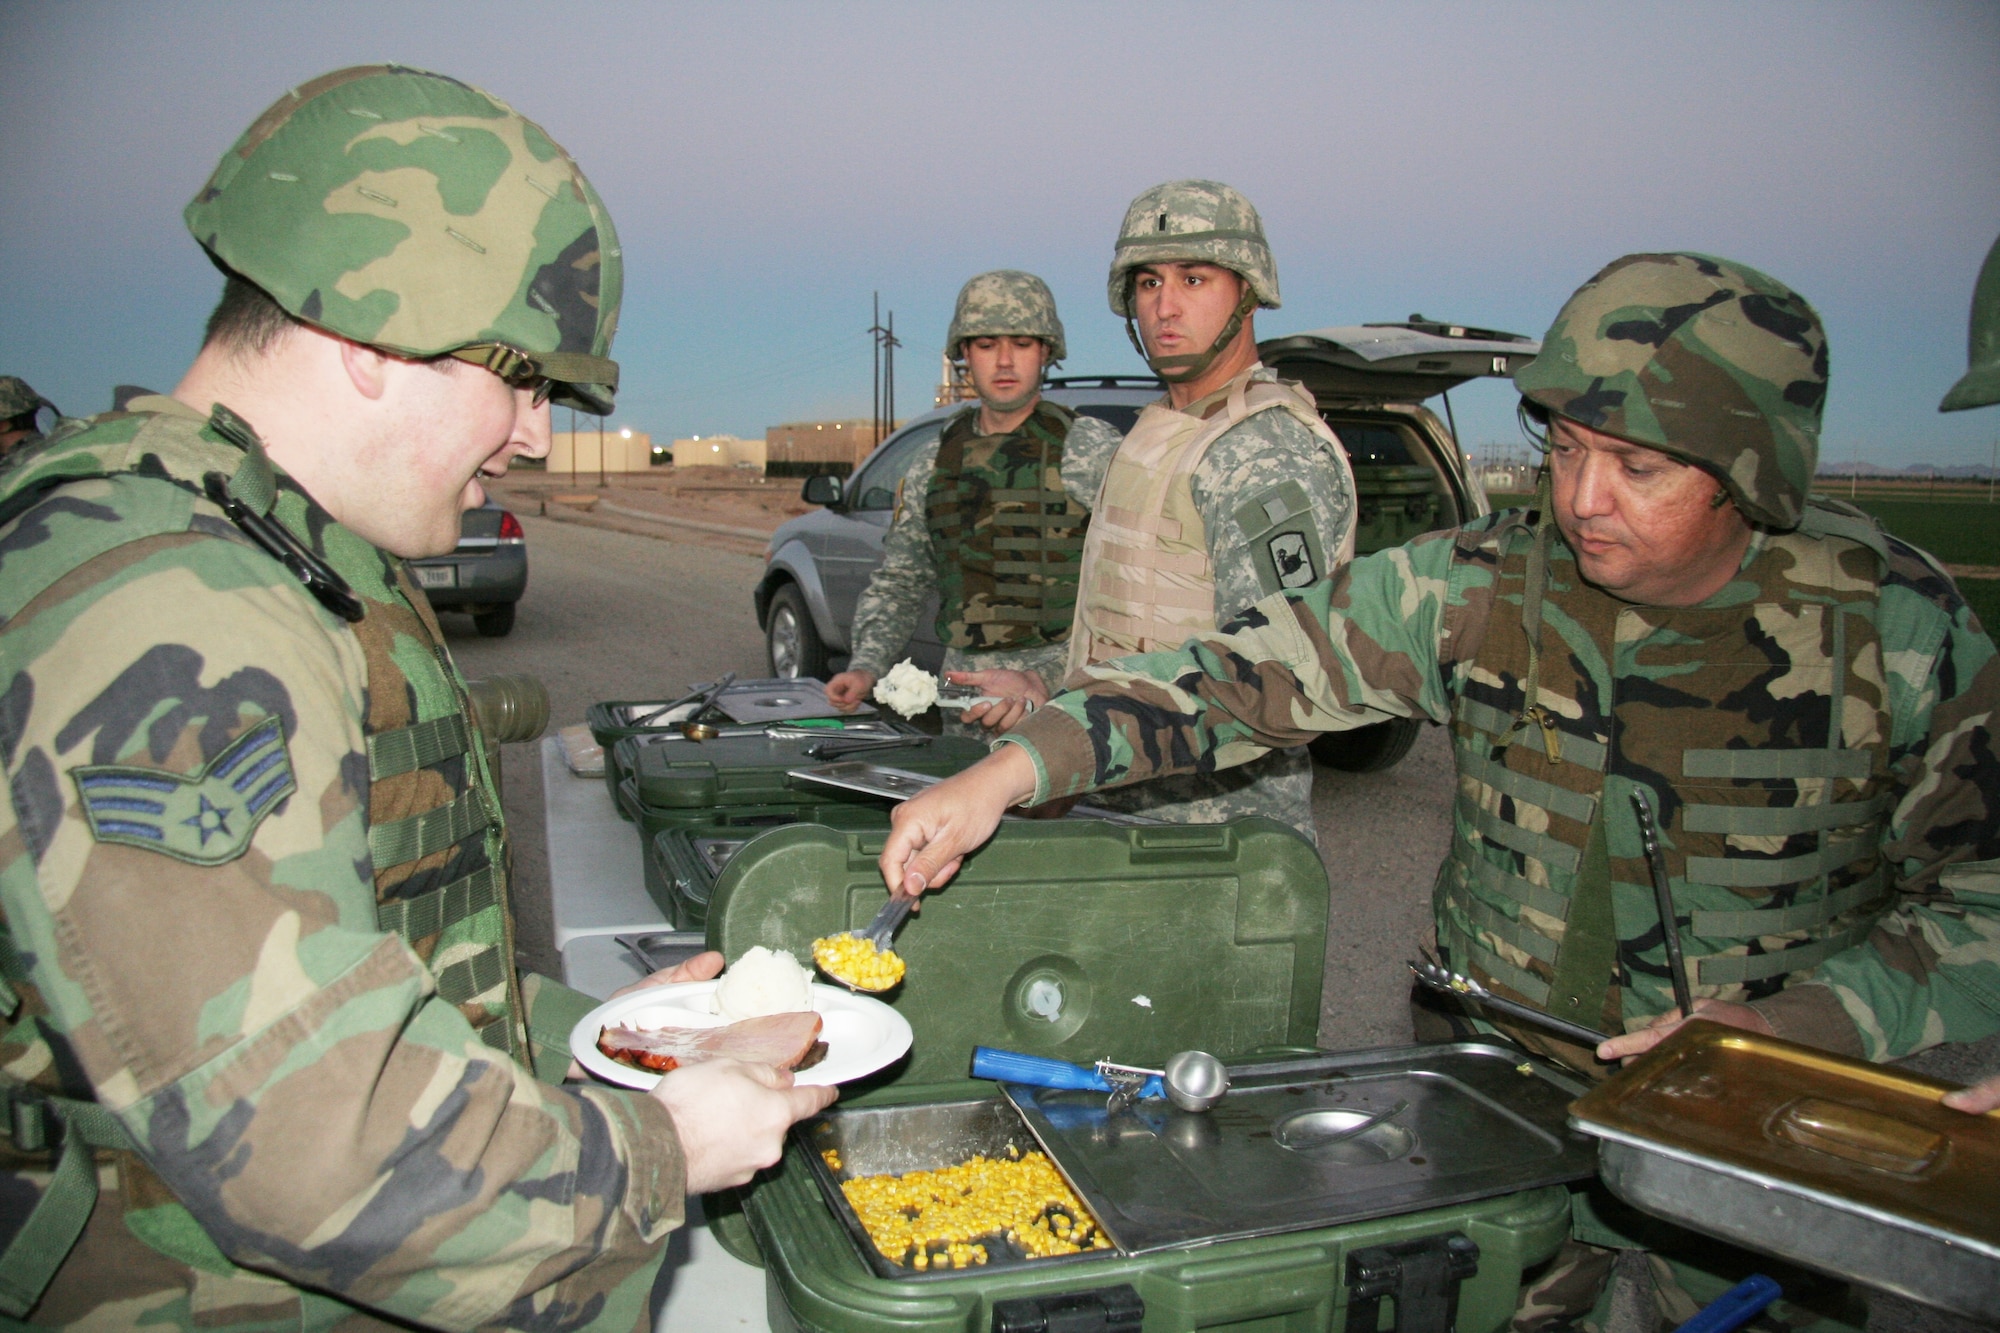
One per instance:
(246, 321)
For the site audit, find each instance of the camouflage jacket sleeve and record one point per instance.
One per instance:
(1930, 970)
(886, 614)
(1257, 462)
(1381, 638)
(283, 1066)
(1087, 451)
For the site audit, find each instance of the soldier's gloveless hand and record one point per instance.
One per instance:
(850, 689)
(1019, 693)
(1981, 1097)
(1627, 1045)
(931, 834)
(731, 1118)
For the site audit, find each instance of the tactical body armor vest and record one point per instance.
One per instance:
(1758, 723)
(1148, 583)
(435, 832)
(1007, 538)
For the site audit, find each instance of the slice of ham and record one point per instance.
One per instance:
(776, 1039)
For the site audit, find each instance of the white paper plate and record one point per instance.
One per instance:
(862, 1034)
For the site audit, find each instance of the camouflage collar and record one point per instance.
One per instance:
(1209, 404)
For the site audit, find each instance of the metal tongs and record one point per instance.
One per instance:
(965, 696)
(1440, 978)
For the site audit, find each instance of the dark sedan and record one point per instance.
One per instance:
(485, 575)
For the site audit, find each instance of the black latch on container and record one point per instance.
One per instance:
(1106, 1310)
(1421, 1276)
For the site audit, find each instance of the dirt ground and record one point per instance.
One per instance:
(723, 496)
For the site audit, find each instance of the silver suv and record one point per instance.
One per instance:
(1371, 382)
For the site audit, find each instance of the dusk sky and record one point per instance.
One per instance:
(771, 165)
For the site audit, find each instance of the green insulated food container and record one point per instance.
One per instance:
(1087, 941)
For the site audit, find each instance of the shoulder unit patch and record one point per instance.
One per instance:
(205, 817)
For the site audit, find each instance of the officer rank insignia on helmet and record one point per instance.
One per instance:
(205, 817)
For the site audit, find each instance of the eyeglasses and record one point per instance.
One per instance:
(511, 364)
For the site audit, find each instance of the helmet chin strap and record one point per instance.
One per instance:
(1192, 365)
(1002, 406)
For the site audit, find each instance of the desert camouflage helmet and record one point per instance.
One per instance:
(1192, 222)
(419, 215)
(1980, 385)
(17, 399)
(1702, 358)
(1003, 304)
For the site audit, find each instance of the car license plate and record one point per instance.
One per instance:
(437, 576)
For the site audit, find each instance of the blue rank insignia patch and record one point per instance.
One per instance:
(205, 817)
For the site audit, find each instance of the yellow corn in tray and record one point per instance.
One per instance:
(854, 961)
(945, 1218)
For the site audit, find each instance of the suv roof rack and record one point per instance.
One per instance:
(1104, 382)
(1437, 328)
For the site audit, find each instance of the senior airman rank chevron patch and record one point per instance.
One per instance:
(205, 817)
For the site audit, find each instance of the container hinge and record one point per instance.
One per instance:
(1106, 1310)
(1420, 1276)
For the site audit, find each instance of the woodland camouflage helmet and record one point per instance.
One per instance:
(17, 399)
(1005, 303)
(1190, 222)
(1980, 385)
(1702, 358)
(419, 215)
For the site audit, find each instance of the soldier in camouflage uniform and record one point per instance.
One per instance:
(1980, 387)
(1806, 701)
(20, 413)
(989, 519)
(264, 1057)
(1226, 491)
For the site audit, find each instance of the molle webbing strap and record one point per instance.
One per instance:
(1588, 956)
(429, 913)
(1757, 922)
(1551, 852)
(1579, 750)
(30, 1119)
(1743, 872)
(1466, 953)
(1732, 969)
(1510, 887)
(1781, 821)
(1766, 765)
(1569, 804)
(407, 749)
(472, 977)
(1533, 588)
(415, 837)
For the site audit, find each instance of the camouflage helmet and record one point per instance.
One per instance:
(1191, 222)
(419, 215)
(17, 399)
(1005, 303)
(1702, 358)
(1980, 385)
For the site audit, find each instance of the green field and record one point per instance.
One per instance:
(1956, 531)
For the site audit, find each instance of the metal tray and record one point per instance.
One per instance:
(1853, 1168)
(1481, 1120)
(895, 1140)
(899, 784)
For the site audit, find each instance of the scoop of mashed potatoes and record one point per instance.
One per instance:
(908, 688)
(763, 981)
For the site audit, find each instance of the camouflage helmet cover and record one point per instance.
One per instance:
(1702, 358)
(17, 399)
(1980, 385)
(1005, 303)
(417, 214)
(1192, 221)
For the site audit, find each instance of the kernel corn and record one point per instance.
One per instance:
(854, 961)
(934, 1219)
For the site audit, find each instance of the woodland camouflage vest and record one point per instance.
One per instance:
(435, 830)
(1007, 537)
(1758, 723)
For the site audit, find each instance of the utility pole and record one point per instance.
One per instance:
(572, 448)
(600, 452)
(875, 374)
(886, 344)
(1991, 468)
